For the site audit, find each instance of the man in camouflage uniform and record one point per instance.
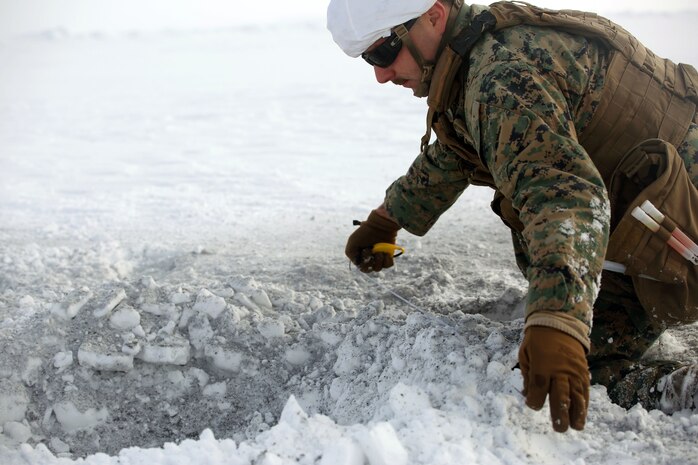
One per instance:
(523, 99)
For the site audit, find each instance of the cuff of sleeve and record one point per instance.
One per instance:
(558, 292)
(381, 222)
(562, 322)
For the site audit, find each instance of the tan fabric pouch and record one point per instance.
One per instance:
(665, 282)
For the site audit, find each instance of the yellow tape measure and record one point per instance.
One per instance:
(390, 249)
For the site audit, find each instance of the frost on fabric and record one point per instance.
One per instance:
(567, 228)
(601, 213)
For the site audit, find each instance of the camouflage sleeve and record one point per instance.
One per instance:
(526, 135)
(432, 184)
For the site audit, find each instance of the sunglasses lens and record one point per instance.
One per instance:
(384, 55)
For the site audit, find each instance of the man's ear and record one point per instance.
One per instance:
(438, 16)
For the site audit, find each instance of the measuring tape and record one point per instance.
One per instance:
(390, 249)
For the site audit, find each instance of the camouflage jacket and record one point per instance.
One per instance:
(526, 95)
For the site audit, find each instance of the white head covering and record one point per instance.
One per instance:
(356, 24)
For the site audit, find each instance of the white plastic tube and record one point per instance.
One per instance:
(659, 217)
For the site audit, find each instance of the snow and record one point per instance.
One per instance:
(173, 288)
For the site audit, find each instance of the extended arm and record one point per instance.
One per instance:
(432, 184)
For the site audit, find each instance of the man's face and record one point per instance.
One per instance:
(405, 71)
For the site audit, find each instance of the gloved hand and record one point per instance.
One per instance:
(554, 363)
(375, 229)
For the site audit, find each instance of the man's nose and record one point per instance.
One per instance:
(383, 75)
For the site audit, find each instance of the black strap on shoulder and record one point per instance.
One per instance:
(465, 41)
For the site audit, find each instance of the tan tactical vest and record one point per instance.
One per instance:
(620, 124)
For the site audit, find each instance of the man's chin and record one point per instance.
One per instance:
(422, 90)
(418, 90)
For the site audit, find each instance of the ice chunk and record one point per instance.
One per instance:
(148, 282)
(100, 358)
(397, 362)
(26, 302)
(315, 303)
(293, 414)
(62, 360)
(243, 283)
(187, 314)
(330, 337)
(14, 400)
(343, 452)
(297, 355)
(131, 345)
(324, 313)
(215, 389)
(180, 297)
(159, 309)
(73, 303)
(238, 313)
(223, 359)
(200, 331)
(58, 446)
(107, 301)
(496, 370)
(226, 292)
(16, 431)
(348, 358)
(200, 375)
(245, 301)
(210, 304)
(382, 446)
(271, 328)
(495, 340)
(407, 399)
(261, 298)
(71, 419)
(171, 350)
(125, 318)
(168, 329)
(269, 458)
(32, 370)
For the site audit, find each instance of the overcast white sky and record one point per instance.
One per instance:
(23, 16)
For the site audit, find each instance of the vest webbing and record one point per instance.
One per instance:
(644, 97)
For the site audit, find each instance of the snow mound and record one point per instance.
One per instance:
(142, 363)
(295, 377)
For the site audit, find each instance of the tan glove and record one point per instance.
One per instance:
(375, 229)
(554, 363)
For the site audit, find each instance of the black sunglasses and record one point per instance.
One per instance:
(384, 55)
